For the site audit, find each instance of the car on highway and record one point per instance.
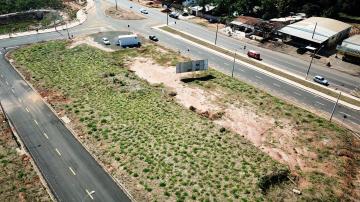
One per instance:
(106, 41)
(174, 15)
(153, 38)
(321, 80)
(143, 11)
(253, 54)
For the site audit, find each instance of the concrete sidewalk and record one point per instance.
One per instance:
(80, 18)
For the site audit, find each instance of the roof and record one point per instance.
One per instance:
(325, 28)
(246, 20)
(126, 36)
(351, 45)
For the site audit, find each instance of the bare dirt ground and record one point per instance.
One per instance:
(279, 141)
(18, 180)
(121, 14)
(205, 23)
(89, 41)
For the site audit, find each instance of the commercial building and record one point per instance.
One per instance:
(316, 32)
(350, 48)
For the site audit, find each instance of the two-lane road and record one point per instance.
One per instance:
(70, 171)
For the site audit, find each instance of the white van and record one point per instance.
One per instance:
(130, 40)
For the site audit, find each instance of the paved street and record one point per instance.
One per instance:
(69, 169)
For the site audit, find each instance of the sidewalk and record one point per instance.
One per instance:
(80, 18)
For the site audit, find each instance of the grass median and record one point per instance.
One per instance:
(264, 67)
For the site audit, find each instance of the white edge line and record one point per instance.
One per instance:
(36, 122)
(47, 137)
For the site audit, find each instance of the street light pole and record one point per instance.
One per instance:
(233, 68)
(312, 57)
(167, 17)
(333, 110)
(116, 4)
(217, 29)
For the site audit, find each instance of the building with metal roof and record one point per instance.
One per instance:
(350, 47)
(317, 31)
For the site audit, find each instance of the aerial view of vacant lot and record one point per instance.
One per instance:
(203, 137)
(18, 179)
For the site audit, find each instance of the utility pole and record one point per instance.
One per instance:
(333, 110)
(167, 17)
(233, 68)
(312, 57)
(217, 29)
(116, 4)
(314, 31)
(67, 30)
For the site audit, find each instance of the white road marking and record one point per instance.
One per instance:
(242, 70)
(73, 172)
(277, 85)
(19, 100)
(225, 63)
(1, 75)
(27, 109)
(320, 103)
(258, 77)
(46, 136)
(87, 191)
(36, 122)
(57, 151)
(12, 90)
(297, 93)
(6, 83)
(345, 114)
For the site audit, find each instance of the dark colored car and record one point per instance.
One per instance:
(211, 20)
(153, 38)
(301, 50)
(321, 80)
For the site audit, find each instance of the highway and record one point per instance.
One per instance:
(70, 171)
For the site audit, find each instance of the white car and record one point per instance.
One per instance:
(106, 41)
(143, 11)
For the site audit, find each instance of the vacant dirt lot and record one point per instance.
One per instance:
(18, 180)
(122, 14)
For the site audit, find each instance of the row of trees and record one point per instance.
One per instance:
(276, 8)
(10, 6)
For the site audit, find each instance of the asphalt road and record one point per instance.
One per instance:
(70, 171)
(68, 168)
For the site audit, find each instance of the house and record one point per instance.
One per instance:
(200, 11)
(316, 31)
(245, 23)
(350, 48)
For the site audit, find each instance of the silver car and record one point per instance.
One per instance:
(106, 41)
(321, 80)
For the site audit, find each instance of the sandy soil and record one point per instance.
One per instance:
(122, 14)
(205, 23)
(243, 121)
(280, 141)
(89, 41)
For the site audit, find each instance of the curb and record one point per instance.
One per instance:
(25, 149)
(288, 81)
(80, 18)
(121, 186)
